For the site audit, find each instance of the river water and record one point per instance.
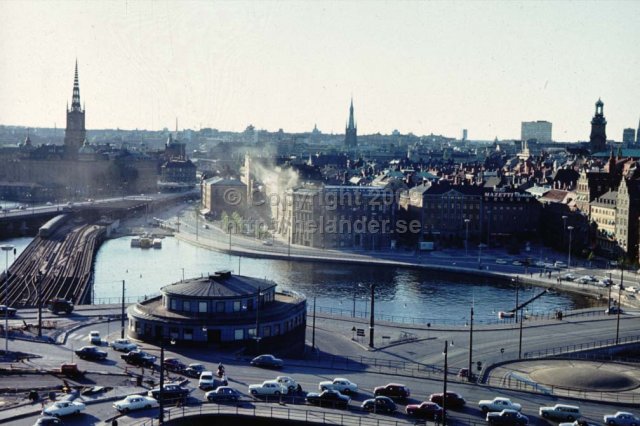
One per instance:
(401, 295)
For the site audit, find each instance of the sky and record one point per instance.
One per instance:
(421, 67)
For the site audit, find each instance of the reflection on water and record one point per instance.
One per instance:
(398, 292)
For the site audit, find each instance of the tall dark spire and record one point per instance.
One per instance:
(351, 119)
(598, 137)
(351, 131)
(75, 99)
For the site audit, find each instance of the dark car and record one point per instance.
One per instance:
(91, 353)
(223, 394)
(194, 370)
(170, 392)
(58, 305)
(454, 400)
(392, 390)
(328, 398)
(139, 358)
(48, 421)
(267, 361)
(507, 418)
(174, 364)
(426, 410)
(613, 310)
(379, 404)
(7, 311)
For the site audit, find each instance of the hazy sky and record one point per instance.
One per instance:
(417, 67)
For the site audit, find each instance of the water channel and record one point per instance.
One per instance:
(402, 295)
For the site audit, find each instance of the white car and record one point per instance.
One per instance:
(621, 418)
(287, 382)
(340, 384)
(268, 387)
(498, 404)
(124, 345)
(64, 408)
(135, 402)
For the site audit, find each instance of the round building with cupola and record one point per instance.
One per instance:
(223, 310)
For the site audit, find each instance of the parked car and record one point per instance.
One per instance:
(581, 422)
(379, 404)
(170, 392)
(8, 311)
(559, 264)
(426, 410)
(267, 361)
(328, 398)
(606, 282)
(174, 364)
(206, 381)
(560, 412)
(94, 338)
(287, 382)
(622, 418)
(135, 402)
(613, 310)
(568, 277)
(139, 358)
(64, 408)
(268, 387)
(194, 370)
(507, 418)
(340, 384)
(48, 421)
(223, 394)
(586, 279)
(498, 404)
(501, 261)
(123, 345)
(393, 390)
(91, 353)
(453, 400)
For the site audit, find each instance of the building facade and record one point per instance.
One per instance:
(628, 137)
(603, 214)
(539, 131)
(223, 310)
(220, 195)
(627, 215)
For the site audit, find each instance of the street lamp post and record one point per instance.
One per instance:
(122, 313)
(570, 228)
(520, 338)
(313, 332)
(6, 249)
(609, 298)
(371, 320)
(564, 228)
(161, 393)
(466, 240)
(39, 301)
(516, 280)
(444, 387)
(619, 293)
(257, 336)
(469, 374)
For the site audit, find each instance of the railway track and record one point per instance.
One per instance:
(58, 266)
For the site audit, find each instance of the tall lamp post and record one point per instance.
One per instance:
(371, 320)
(122, 313)
(466, 239)
(444, 387)
(257, 336)
(570, 228)
(520, 338)
(6, 249)
(564, 228)
(516, 280)
(469, 374)
(39, 301)
(161, 393)
(619, 293)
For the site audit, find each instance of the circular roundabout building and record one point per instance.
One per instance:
(223, 310)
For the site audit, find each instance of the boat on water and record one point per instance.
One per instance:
(135, 242)
(157, 243)
(146, 242)
(506, 314)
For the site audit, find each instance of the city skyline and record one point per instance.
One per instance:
(414, 67)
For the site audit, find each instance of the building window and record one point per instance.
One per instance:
(237, 306)
(174, 304)
(266, 331)
(238, 334)
(188, 334)
(276, 329)
(202, 307)
(174, 333)
(186, 305)
(219, 306)
(252, 332)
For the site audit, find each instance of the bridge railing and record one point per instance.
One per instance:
(578, 347)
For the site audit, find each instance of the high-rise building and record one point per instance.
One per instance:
(351, 131)
(464, 134)
(75, 133)
(598, 137)
(638, 134)
(628, 136)
(539, 131)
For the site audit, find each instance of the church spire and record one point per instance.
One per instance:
(75, 99)
(351, 124)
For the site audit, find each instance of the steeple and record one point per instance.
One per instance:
(351, 124)
(75, 99)
(351, 131)
(598, 137)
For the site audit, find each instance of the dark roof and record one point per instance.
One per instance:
(220, 285)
